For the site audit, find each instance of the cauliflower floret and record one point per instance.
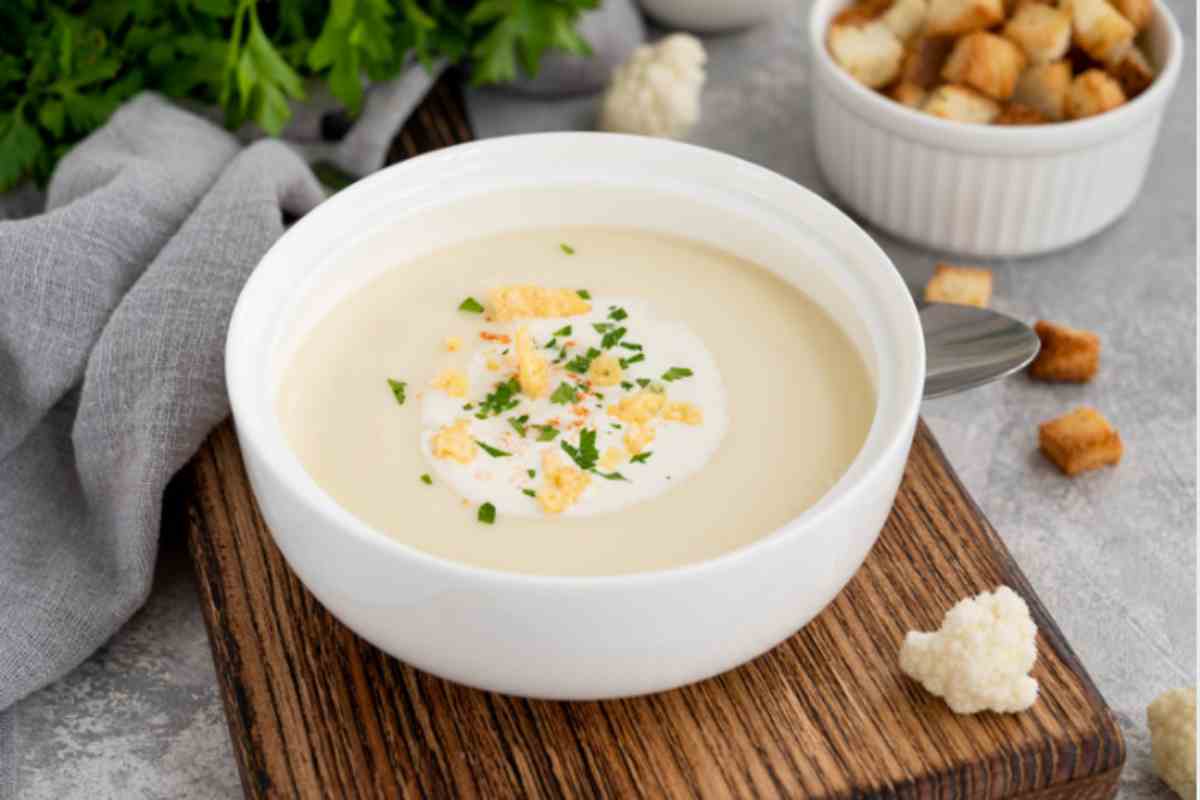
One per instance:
(638, 408)
(1172, 718)
(454, 441)
(533, 372)
(687, 413)
(605, 370)
(524, 302)
(562, 484)
(638, 437)
(453, 382)
(657, 91)
(981, 656)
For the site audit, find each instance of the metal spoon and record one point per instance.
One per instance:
(967, 347)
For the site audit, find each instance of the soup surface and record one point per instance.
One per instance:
(576, 401)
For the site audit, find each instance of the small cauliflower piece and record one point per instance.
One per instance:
(533, 371)
(1043, 32)
(453, 344)
(979, 660)
(1094, 92)
(1172, 719)
(960, 104)
(605, 370)
(509, 303)
(986, 62)
(956, 17)
(657, 91)
(905, 18)
(454, 441)
(1100, 30)
(687, 413)
(611, 459)
(452, 381)
(562, 484)
(638, 437)
(870, 53)
(640, 408)
(1045, 87)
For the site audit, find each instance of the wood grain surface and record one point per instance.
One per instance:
(314, 711)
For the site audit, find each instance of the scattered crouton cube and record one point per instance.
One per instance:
(860, 13)
(1079, 441)
(1043, 32)
(1138, 12)
(908, 94)
(1067, 354)
(905, 18)
(1093, 92)
(1017, 114)
(986, 62)
(963, 286)
(956, 17)
(1044, 87)
(870, 53)
(961, 104)
(1133, 72)
(924, 59)
(1101, 30)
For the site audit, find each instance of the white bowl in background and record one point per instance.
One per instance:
(985, 190)
(573, 637)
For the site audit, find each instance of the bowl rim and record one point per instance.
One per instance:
(1000, 139)
(252, 437)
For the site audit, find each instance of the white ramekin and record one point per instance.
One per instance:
(977, 189)
(571, 637)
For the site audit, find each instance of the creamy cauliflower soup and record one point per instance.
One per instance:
(576, 401)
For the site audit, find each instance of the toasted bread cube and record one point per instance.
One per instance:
(1092, 93)
(924, 59)
(1133, 72)
(986, 62)
(870, 53)
(908, 94)
(1067, 354)
(860, 13)
(1043, 32)
(1045, 87)
(1100, 30)
(961, 286)
(956, 17)
(1080, 440)
(960, 104)
(1138, 12)
(1017, 114)
(905, 18)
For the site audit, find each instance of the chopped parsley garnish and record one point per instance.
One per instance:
(581, 363)
(550, 345)
(468, 406)
(563, 395)
(657, 388)
(503, 398)
(585, 294)
(610, 476)
(616, 425)
(676, 373)
(643, 382)
(561, 355)
(586, 455)
(641, 458)
(618, 314)
(529, 492)
(631, 346)
(487, 514)
(398, 388)
(626, 385)
(492, 451)
(566, 248)
(471, 305)
(531, 473)
(602, 327)
(625, 362)
(518, 424)
(611, 338)
(547, 434)
(565, 330)
(425, 479)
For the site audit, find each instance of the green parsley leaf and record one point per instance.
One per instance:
(398, 388)
(503, 398)
(610, 476)
(625, 362)
(566, 248)
(529, 492)
(563, 331)
(611, 338)
(631, 346)
(531, 472)
(425, 479)
(601, 327)
(581, 363)
(676, 373)
(586, 455)
(487, 514)
(547, 433)
(518, 424)
(626, 385)
(641, 458)
(643, 382)
(618, 314)
(563, 395)
(471, 305)
(492, 451)
(550, 345)
(585, 294)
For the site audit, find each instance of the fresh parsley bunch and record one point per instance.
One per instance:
(65, 66)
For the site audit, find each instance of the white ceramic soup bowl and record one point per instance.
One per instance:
(574, 637)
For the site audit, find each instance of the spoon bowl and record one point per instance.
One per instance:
(967, 347)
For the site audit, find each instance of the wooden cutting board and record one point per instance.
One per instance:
(314, 711)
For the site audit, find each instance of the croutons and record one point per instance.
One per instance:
(905, 18)
(962, 286)
(955, 17)
(1079, 441)
(638, 436)
(1092, 93)
(961, 104)
(908, 94)
(605, 370)
(687, 413)
(562, 484)
(1100, 30)
(529, 302)
(1133, 72)
(1017, 114)
(1067, 354)
(1043, 33)
(860, 13)
(452, 381)
(986, 62)
(454, 441)
(1138, 12)
(924, 59)
(1044, 87)
(870, 53)
(639, 408)
(533, 371)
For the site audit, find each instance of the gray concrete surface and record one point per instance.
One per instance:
(1112, 554)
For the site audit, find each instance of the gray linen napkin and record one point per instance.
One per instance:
(113, 309)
